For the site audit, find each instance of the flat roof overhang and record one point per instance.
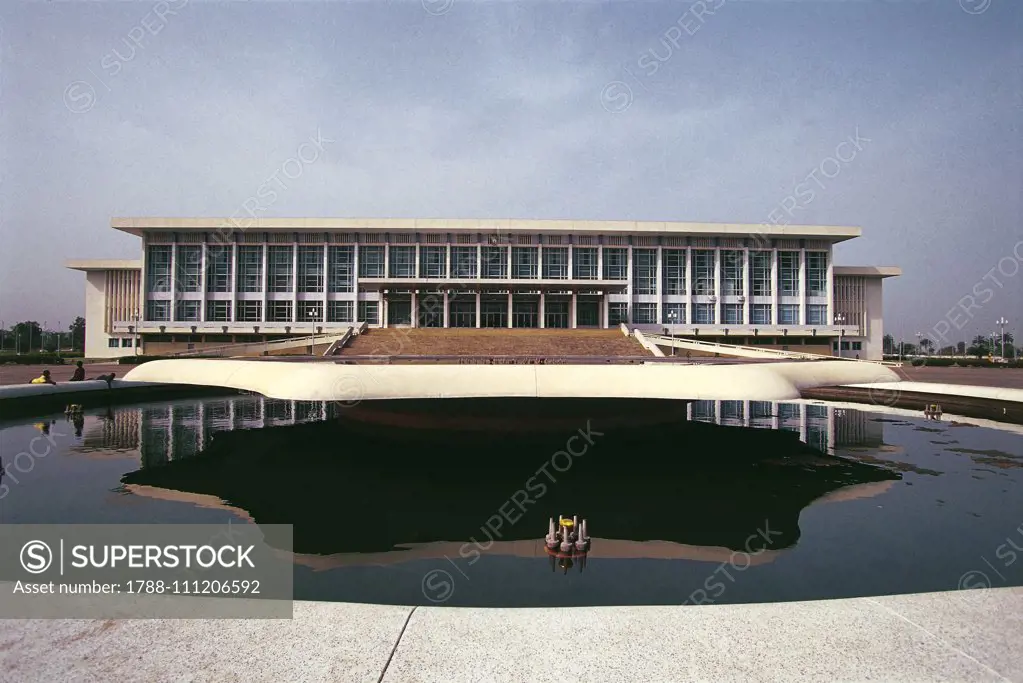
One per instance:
(138, 225)
(868, 271)
(87, 265)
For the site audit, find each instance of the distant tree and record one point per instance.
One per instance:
(979, 346)
(926, 345)
(888, 344)
(77, 329)
(26, 335)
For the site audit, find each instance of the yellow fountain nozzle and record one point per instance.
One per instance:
(567, 522)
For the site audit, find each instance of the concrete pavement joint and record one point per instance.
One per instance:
(383, 672)
(944, 642)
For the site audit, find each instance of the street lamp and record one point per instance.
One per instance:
(1002, 322)
(672, 318)
(840, 320)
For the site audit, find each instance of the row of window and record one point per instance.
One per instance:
(308, 271)
(124, 343)
(252, 311)
(707, 314)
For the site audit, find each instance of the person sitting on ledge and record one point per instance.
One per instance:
(43, 378)
(79, 373)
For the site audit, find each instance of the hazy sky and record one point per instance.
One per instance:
(587, 110)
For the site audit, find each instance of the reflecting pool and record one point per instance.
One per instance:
(448, 502)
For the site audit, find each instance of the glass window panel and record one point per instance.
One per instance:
(644, 272)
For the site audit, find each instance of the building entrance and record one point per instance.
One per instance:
(555, 314)
(587, 313)
(399, 311)
(525, 312)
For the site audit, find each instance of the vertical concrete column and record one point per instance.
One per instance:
(688, 283)
(234, 281)
(719, 306)
(174, 278)
(415, 266)
(447, 304)
(628, 283)
(294, 278)
(326, 282)
(802, 286)
(509, 302)
(447, 263)
(604, 313)
(745, 414)
(775, 419)
(659, 285)
(202, 278)
(387, 260)
(571, 259)
(414, 306)
(830, 285)
(479, 262)
(747, 271)
(717, 412)
(600, 261)
(573, 306)
(775, 295)
(543, 306)
(478, 311)
(265, 277)
(539, 260)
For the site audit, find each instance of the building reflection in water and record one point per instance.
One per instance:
(181, 429)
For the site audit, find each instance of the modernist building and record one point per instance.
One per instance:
(207, 281)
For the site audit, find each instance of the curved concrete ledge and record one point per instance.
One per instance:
(11, 391)
(331, 381)
(951, 636)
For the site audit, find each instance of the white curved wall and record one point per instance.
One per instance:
(331, 381)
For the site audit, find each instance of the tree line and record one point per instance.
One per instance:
(980, 347)
(29, 335)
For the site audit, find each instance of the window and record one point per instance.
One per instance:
(279, 269)
(250, 269)
(857, 346)
(817, 314)
(816, 273)
(250, 311)
(186, 311)
(126, 343)
(189, 265)
(310, 311)
(760, 314)
(644, 314)
(218, 311)
(760, 273)
(732, 267)
(703, 314)
(463, 263)
(731, 314)
(369, 312)
(278, 311)
(673, 314)
(310, 269)
(371, 261)
(113, 343)
(616, 264)
(340, 311)
(158, 311)
(644, 272)
(584, 263)
(158, 269)
(462, 313)
(788, 273)
(340, 269)
(788, 314)
(673, 270)
(617, 313)
(555, 263)
(524, 265)
(218, 269)
(703, 272)
(495, 262)
(402, 262)
(433, 262)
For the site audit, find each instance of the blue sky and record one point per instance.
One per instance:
(448, 108)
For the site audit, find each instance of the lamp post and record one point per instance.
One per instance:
(672, 317)
(1002, 322)
(840, 320)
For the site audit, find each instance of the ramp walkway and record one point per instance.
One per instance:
(750, 351)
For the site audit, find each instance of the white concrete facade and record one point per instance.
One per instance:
(216, 279)
(112, 294)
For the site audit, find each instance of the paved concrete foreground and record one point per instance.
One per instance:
(953, 636)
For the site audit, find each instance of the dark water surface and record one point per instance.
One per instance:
(429, 502)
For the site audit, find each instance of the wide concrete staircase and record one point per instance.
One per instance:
(492, 342)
